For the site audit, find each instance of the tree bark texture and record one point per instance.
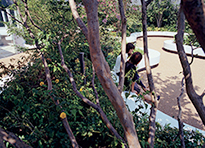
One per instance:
(77, 18)
(194, 11)
(123, 47)
(152, 126)
(12, 139)
(103, 73)
(180, 122)
(194, 97)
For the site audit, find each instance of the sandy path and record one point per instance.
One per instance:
(13, 60)
(167, 80)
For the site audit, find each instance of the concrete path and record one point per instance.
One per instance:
(167, 79)
(4, 52)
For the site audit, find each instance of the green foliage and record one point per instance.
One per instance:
(133, 16)
(191, 39)
(166, 136)
(162, 13)
(27, 108)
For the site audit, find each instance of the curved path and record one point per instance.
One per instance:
(167, 79)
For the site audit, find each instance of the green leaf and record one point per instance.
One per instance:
(54, 68)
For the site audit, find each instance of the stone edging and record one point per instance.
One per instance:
(162, 118)
(168, 44)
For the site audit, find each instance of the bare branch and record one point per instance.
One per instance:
(123, 47)
(12, 139)
(192, 54)
(28, 14)
(77, 18)
(3, 9)
(24, 19)
(202, 95)
(87, 101)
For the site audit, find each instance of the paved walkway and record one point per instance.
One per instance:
(167, 79)
(4, 52)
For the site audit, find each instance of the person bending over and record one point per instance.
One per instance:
(129, 49)
(132, 79)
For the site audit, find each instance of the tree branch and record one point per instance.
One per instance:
(194, 97)
(77, 18)
(181, 133)
(123, 47)
(28, 14)
(24, 19)
(87, 101)
(12, 139)
(3, 9)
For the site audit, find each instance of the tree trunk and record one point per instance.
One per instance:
(152, 126)
(194, 11)
(103, 72)
(194, 97)
(123, 47)
(181, 26)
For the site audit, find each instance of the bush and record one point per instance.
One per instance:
(28, 110)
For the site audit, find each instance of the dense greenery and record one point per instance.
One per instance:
(26, 106)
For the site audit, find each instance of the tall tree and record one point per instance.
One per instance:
(123, 47)
(103, 72)
(195, 14)
(152, 126)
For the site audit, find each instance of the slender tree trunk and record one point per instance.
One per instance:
(123, 47)
(181, 26)
(103, 72)
(194, 97)
(152, 126)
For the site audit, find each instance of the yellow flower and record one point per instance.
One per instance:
(81, 89)
(42, 83)
(77, 60)
(63, 115)
(56, 80)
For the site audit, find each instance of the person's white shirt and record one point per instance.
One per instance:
(116, 68)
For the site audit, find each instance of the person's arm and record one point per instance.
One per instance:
(133, 88)
(137, 79)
